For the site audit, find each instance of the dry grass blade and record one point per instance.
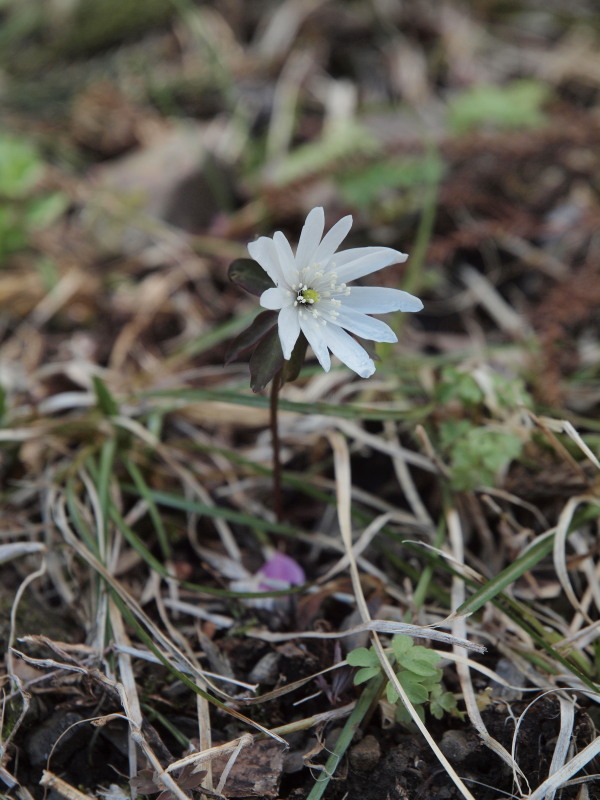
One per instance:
(375, 626)
(554, 782)
(563, 742)
(406, 482)
(133, 709)
(202, 705)
(51, 781)
(141, 153)
(243, 742)
(459, 629)
(343, 482)
(10, 666)
(487, 294)
(49, 663)
(564, 426)
(161, 774)
(188, 479)
(559, 550)
(17, 549)
(175, 653)
(202, 756)
(9, 780)
(356, 433)
(100, 528)
(146, 655)
(359, 547)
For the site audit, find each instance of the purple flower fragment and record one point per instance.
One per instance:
(280, 572)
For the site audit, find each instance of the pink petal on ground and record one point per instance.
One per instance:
(282, 568)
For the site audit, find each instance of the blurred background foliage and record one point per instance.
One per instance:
(145, 142)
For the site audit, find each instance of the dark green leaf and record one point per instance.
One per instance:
(106, 401)
(292, 367)
(251, 336)
(266, 361)
(248, 274)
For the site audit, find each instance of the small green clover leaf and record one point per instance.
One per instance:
(403, 716)
(361, 657)
(516, 104)
(413, 686)
(479, 455)
(20, 167)
(365, 674)
(367, 660)
(417, 672)
(25, 206)
(457, 385)
(401, 646)
(408, 653)
(441, 702)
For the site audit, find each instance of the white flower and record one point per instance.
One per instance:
(312, 295)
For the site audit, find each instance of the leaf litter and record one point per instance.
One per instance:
(135, 468)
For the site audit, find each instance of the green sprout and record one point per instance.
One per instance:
(23, 209)
(480, 440)
(417, 672)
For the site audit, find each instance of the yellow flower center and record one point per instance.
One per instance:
(308, 296)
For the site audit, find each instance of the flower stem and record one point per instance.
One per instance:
(274, 424)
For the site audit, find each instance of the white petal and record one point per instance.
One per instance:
(286, 259)
(264, 251)
(377, 300)
(275, 298)
(360, 261)
(289, 329)
(364, 326)
(349, 351)
(310, 237)
(314, 335)
(332, 240)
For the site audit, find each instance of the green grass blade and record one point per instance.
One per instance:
(217, 512)
(510, 574)
(144, 490)
(217, 335)
(104, 479)
(238, 397)
(365, 702)
(86, 535)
